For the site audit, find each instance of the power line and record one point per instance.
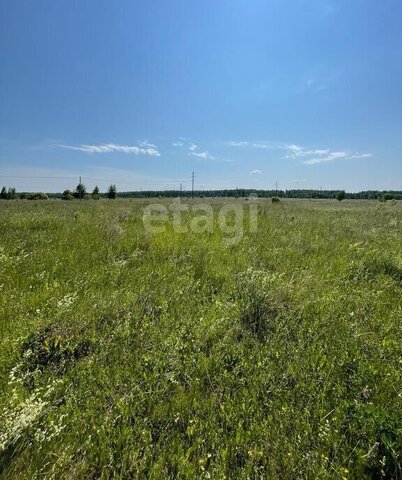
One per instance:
(33, 177)
(166, 182)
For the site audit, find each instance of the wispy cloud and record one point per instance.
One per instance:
(312, 84)
(239, 144)
(203, 155)
(315, 156)
(255, 172)
(183, 142)
(307, 156)
(187, 143)
(327, 158)
(145, 148)
(194, 150)
(255, 144)
(147, 144)
(296, 151)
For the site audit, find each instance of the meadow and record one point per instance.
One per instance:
(126, 354)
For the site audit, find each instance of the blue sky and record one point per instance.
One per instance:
(243, 92)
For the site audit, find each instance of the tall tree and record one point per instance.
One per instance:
(3, 193)
(112, 192)
(95, 193)
(11, 194)
(80, 191)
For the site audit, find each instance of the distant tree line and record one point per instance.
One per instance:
(244, 192)
(80, 193)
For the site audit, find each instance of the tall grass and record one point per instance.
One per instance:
(130, 355)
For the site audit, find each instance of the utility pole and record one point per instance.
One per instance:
(276, 187)
(181, 188)
(192, 185)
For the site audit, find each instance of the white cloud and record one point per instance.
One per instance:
(239, 144)
(257, 144)
(187, 143)
(145, 148)
(326, 158)
(295, 149)
(308, 156)
(312, 85)
(145, 143)
(245, 143)
(362, 155)
(203, 155)
(255, 172)
(298, 151)
(336, 156)
(194, 150)
(315, 156)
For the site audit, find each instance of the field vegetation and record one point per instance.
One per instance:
(125, 354)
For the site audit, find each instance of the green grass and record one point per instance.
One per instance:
(130, 355)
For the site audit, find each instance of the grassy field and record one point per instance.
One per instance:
(126, 354)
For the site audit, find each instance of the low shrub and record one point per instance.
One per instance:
(37, 196)
(67, 195)
(50, 347)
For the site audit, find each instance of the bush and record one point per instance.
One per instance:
(341, 195)
(37, 196)
(51, 348)
(385, 197)
(275, 200)
(67, 195)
